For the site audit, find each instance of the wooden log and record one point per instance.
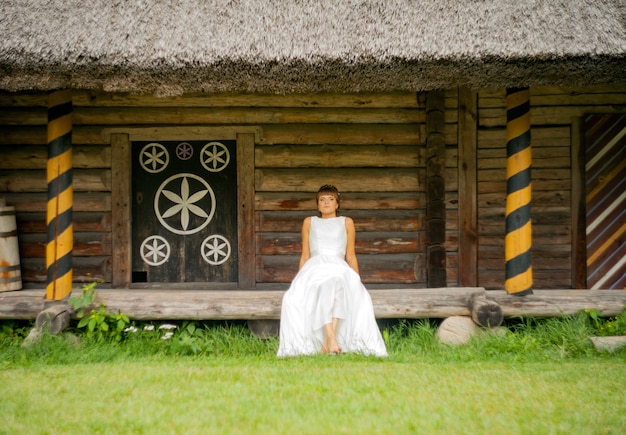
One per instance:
(558, 303)
(82, 222)
(265, 304)
(37, 201)
(560, 198)
(389, 304)
(356, 100)
(22, 304)
(149, 115)
(349, 201)
(546, 115)
(281, 156)
(85, 269)
(486, 313)
(85, 180)
(374, 220)
(35, 157)
(382, 268)
(241, 99)
(542, 136)
(38, 135)
(558, 95)
(366, 243)
(85, 244)
(54, 318)
(350, 134)
(495, 186)
(467, 203)
(349, 180)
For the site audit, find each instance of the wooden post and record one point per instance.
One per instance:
(60, 196)
(436, 191)
(245, 201)
(518, 241)
(468, 214)
(579, 236)
(121, 274)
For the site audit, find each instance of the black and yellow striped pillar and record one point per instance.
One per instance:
(60, 196)
(518, 241)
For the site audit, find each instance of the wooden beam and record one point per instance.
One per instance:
(435, 189)
(266, 304)
(182, 132)
(121, 210)
(245, 215)
(468, 226)
(559, 303)
(579, 242)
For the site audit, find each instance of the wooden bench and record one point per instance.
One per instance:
(265, 304)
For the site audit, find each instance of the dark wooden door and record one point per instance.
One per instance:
(605, 167)
(184, 211)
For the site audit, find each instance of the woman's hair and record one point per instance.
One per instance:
(329, 189)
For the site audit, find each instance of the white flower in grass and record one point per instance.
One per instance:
(167, 326)
(167, 335)
(148, 328)
(131, 329)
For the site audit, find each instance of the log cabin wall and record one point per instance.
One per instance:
(370, 145)
(375, 155)
(558, 194)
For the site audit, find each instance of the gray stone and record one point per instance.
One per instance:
(457, 330)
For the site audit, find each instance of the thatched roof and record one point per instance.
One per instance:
(168, 47)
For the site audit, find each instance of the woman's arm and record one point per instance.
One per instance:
(350, 250)
(306, 251)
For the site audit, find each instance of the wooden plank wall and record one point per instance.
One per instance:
(23, 136)
(605, 157)
(376, 157)
(369, 145)
(555, 113)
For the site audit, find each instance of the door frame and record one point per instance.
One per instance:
(120, 140)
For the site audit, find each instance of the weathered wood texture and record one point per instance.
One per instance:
(373, 146)
(370, 145)
(554, 114)
(436, 189)
(605, 164)
(468, 235)
(121, 216)
(388, 304)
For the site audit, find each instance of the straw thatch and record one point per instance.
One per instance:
(169, 47)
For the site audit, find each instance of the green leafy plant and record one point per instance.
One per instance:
(97, 322)
(605, 326)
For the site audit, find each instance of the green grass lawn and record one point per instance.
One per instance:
(540, 378)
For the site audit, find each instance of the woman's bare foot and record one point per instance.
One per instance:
(333, 346)
(325, 347)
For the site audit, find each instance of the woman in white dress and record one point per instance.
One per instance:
(327, 309)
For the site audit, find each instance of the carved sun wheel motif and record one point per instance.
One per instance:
(184, 203)
(214, 156)
(154, 158)
(215, 249)
(155, 250)
(184, 151)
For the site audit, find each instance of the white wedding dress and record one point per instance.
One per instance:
(326, 287)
